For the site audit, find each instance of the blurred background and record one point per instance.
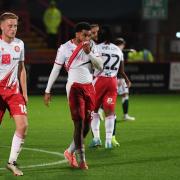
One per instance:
(151, 27)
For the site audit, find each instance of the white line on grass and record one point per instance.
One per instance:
(42, 164)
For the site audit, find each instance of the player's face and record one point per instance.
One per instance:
(94, 33)
(9, 28)
(84, 35)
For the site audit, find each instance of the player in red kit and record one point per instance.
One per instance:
(13, 73)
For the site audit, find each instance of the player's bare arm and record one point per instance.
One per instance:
(23, 80)
(128, 82)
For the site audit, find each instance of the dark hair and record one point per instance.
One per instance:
(8, 15)
(119, 41)
(82, 26)
(105, 34)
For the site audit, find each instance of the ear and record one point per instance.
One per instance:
(1, 26)
(77, 34)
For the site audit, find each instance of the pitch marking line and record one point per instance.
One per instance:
(43, 164)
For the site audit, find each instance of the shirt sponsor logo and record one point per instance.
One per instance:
(15, 59)
(6, 59)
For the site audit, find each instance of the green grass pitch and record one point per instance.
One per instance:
(150, 146)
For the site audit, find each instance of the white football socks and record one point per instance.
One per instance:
(109, 125)
(71, 148)
(15, 148)
(95, 124)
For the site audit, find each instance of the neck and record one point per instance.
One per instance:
(107, 42)
(7, 39)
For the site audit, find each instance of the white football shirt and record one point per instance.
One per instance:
(112, 56)
(80, 70)
(10, 55)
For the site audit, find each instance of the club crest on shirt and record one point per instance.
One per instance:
(110, 101)
(17, 48)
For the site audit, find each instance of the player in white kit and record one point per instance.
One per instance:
(79, 57)
(12, 96)
(123, 89)
(106, 86)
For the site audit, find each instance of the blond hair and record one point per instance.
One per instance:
(94, 25)
(8, 15)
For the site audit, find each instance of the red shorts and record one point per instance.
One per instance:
(15, 103)
(81, 101)
(106, 93)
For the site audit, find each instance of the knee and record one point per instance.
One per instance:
(25, 126)
(22, 128)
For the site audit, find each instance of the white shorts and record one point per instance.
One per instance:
(122, 87)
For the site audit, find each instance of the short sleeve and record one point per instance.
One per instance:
(60, 57)
(22, 51)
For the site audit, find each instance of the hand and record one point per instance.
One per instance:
(128, 84)
(119, 82)
(47, 99)
(86, 47)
